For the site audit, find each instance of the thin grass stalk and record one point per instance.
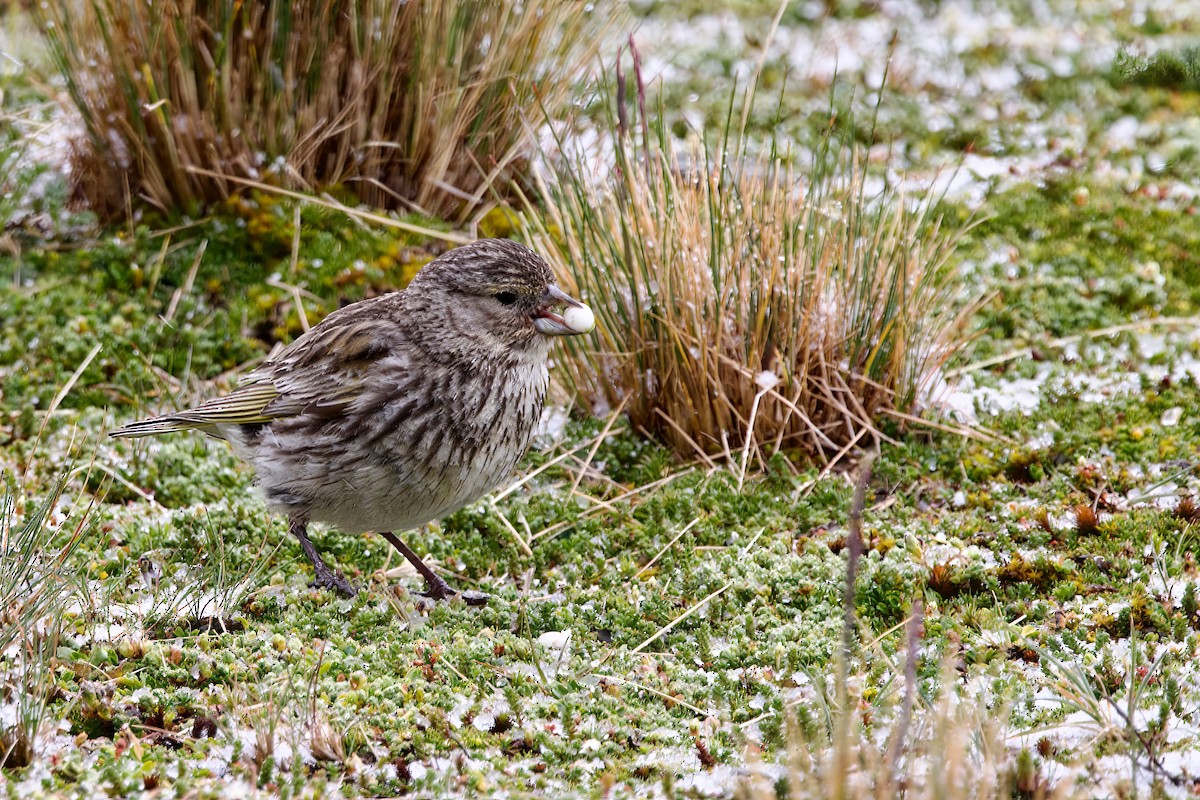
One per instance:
(898, 741)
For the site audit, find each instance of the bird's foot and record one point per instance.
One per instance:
(440, 590)
(328, 579)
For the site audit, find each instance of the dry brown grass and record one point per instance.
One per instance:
(744, 308)
(957, 752)
(941, 742)
(417, 105)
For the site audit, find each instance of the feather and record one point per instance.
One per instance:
(322, 375)
(242, 406)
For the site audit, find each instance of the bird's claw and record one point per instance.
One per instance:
(328, 579)
(440, 590)
(474, 598)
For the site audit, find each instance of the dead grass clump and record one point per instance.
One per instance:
(743, 309)
(1187, 510)
(417, 105)
(1087, 521)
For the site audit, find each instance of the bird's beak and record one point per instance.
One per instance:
(575, 319)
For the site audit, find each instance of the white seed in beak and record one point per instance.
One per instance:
(579, 318)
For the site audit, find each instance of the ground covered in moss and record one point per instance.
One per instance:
(651, 624)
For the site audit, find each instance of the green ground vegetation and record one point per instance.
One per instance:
(650, 621)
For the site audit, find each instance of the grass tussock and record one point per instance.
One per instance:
(34, 585)
(35, 590)
(743, 307)
(418, 105)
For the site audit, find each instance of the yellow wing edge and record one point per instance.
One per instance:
(241, 407)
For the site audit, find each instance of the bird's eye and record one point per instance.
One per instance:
(507, 298)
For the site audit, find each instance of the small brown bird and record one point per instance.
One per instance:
(398, 410)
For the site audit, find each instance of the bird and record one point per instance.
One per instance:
(397, 410)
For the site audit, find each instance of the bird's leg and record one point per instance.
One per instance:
(437, 589)
(325, 577)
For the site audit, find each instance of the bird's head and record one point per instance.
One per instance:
(493, 298)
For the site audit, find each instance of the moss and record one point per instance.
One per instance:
(117, 294)
(1040, 574)
(1144, 614)
(1168, 69)
(1084, 267)
(980, 529)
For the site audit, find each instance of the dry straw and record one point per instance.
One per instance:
(744, 308)
(415, 105)
(941, 741)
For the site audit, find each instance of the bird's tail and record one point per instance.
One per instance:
(154, 426)
(246, 405)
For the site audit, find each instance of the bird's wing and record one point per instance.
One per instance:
(325, 375)
(245, 404)
(322, 373)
